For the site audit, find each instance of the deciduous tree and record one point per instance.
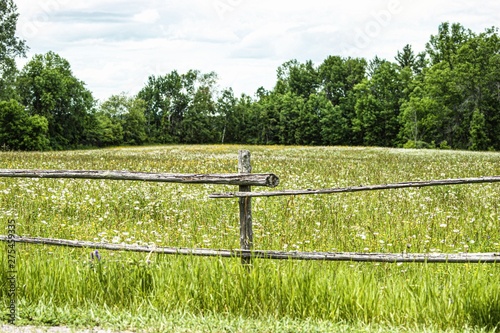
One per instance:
(47, 87)
(11, 47)
(20, 131)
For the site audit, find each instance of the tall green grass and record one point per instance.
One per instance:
(439, 296)
(65, 286)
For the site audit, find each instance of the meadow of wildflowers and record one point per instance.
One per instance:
(84, 287)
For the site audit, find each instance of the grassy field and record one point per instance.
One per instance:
(61, 286)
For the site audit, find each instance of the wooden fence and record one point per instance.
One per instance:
(245, 180)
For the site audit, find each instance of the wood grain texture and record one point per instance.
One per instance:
(269, 180)
(278, 255)
(460, 181)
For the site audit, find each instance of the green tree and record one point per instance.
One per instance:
(199, 122)
(493, 104)
(103, 130)
(248, 120)
(297, 78)
(443, 120)
(288, 107)
(20, 131)
(229, 118)
(422, 120)
(309, 127)
(378, 105)
(266, 118)
(121, 120)
(338, 77)
(478, 137)
(48, 88)
(335, 128)
(444, 45)
(10, 48)
(168, 100)
(134, 122)
(475, 72)
(109, 119)
(407, 59)
(457, 97)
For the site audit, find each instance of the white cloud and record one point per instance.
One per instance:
(114, 45)
(148, 16)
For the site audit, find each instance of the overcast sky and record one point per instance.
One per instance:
(114, 45)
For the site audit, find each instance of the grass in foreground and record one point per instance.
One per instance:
(57, 285)
(63, 286)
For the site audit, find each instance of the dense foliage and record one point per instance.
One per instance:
(447, 96)
(10, 47)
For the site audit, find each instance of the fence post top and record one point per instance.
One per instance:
(244, 165)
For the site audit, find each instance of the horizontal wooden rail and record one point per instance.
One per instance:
(254, 179)
(319, 256)
(460, 181)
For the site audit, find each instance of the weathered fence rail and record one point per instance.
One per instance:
(458, 181)
(245, 180)
(248, 179)
(247, 255)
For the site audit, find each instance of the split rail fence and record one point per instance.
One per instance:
(245, 180)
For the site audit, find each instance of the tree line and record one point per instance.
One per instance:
(447, 96)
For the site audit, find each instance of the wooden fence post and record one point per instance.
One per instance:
(245, 203)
